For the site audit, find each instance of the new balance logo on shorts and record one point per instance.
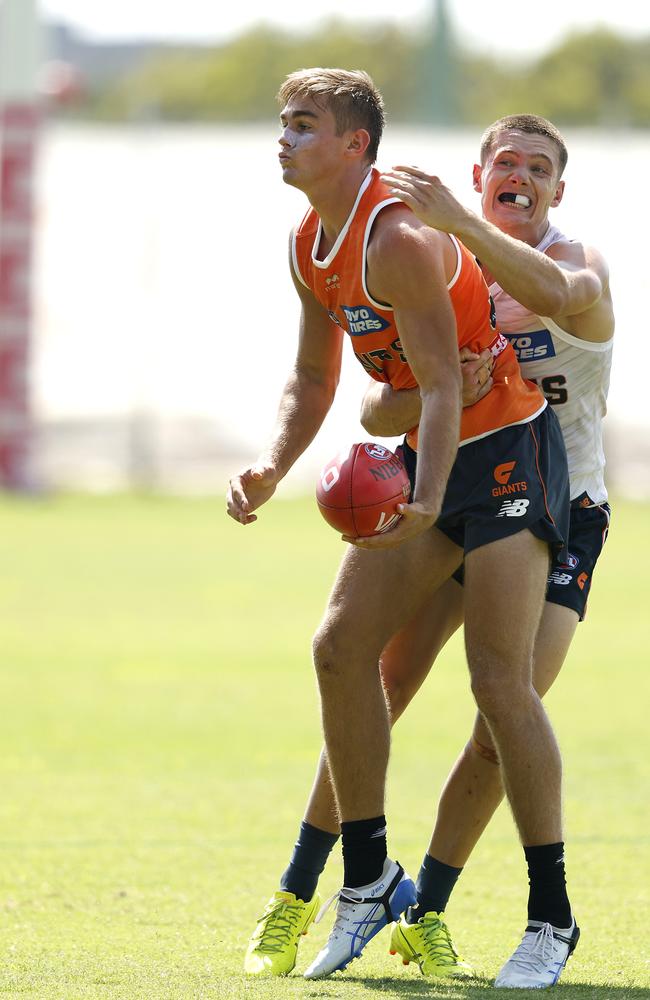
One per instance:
(513, 508)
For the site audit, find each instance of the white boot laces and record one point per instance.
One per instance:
(534, 956)
(346, 898)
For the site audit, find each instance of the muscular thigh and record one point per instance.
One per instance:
(375, 592)
(505, 583)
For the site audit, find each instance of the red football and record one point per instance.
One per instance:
(358, 491)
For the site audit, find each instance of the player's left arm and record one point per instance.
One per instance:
(406, 270)
(568, 282)
(584, 314)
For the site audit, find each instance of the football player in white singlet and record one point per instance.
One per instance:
(553, 302)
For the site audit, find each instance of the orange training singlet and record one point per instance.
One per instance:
(339, 284)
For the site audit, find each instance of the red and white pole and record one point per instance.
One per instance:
(19, 127)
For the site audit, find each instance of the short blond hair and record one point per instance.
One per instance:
(532, 124)
(350, 95)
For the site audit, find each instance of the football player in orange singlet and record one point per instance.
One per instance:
(409, 297)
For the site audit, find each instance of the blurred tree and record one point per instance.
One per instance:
(637, 85)
(238, 82)
(591, 78)
(594, 78)
(585, 80)
(485, 91)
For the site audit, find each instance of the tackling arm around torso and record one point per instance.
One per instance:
(568, 283)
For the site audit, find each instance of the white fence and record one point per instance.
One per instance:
(166, 319)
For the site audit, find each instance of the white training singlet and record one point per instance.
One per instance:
(573, 374)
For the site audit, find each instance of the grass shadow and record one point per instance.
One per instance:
(475, 988)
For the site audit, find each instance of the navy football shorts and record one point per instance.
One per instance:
(569, 582)
(500, 484)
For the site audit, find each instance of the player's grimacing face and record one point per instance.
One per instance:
(519, 181)
(309, 145)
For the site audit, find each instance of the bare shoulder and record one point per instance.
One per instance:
(579, 256)
(401, 245)
(397, 224)
(594, 319)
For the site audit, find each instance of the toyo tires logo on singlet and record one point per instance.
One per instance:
(362, 320)
(532, 346)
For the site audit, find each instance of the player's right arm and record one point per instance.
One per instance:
(306, 399)
(406, 268)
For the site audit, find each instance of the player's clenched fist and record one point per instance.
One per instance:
(249, 490)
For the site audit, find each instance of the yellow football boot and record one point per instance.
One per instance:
(273, 947)
(428, 942)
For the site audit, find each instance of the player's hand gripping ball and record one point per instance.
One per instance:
(358, 491)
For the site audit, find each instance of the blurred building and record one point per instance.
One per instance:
(100, 62)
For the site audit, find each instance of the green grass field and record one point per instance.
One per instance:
(160, 727)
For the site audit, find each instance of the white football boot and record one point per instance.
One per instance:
(540, 958)
(360, 914)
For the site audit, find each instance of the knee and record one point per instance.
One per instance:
(328, 650)
(339, 650)
(487, 693)
(497, 695)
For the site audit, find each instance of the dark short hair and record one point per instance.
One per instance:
(532, 124)
(350, 95)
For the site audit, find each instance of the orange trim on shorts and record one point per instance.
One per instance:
(539, 474)
(606, 528)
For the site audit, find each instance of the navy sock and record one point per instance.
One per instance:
(434, 886)
(547, 900)
(364, 851)
(310, 854)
